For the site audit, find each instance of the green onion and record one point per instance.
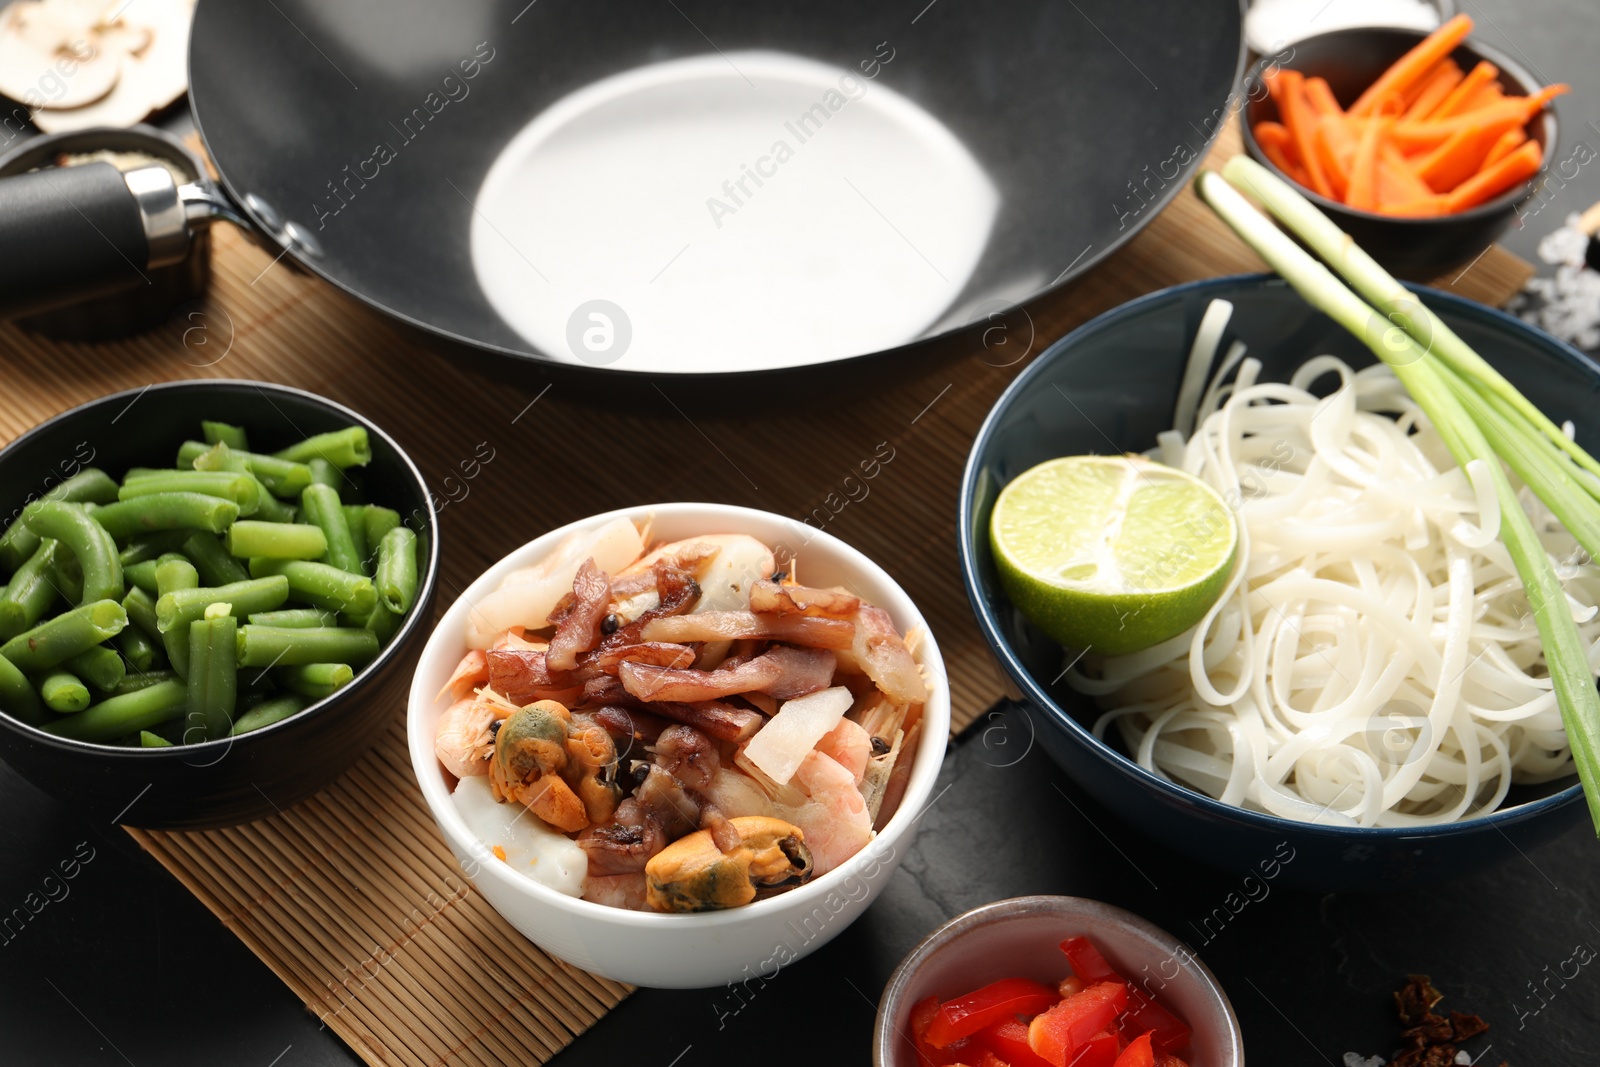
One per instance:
(1467, 402)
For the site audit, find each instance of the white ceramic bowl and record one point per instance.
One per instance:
(686, 951)
(1021, 937)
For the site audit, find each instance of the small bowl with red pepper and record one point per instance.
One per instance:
(1049, 981)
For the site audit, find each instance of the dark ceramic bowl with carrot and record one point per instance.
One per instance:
(1420, 146)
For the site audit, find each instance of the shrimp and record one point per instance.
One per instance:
(850, 745)
(464, 738)
(834, 816)
(471, 673)
(617, 890)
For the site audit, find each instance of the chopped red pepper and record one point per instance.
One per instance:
(1008, 997)
(1060, 1032)
(1099, 1051)
(991, 1060)
(1008, 1038)
(1087, 963)
(1170, 1033)
(922, 1016)
(1138, 1053)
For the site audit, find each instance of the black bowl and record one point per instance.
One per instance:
(1119, 374)
(1418, 248)
(230, 780)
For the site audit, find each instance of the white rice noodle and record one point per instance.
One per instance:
(1373, 660)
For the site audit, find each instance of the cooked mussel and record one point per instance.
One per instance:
(693, 874)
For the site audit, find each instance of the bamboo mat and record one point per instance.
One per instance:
(351, 897)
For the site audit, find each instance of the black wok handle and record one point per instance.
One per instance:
(68, 233)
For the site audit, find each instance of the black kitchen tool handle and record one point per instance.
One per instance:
(68, 233)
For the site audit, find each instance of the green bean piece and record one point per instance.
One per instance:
(276, 540)
(100, 666)
(323, 473)
(314, 681)
(57, 640)
(88, 486)
(240, 488)
(66, 576)
(91, 545)
(269, 646)
(118, 716)
(18, 698)
(213, 676)
(175, 573)
(274, 510)
(62, 691)
(166, 511)
(296, 618)
(151, 546)
(211, 559)
(219, 457)
(355, 520)
(322, 586)
(379, 521)
(343, 448)
(32, 590)
(150, 740)
(280, 476)
(224, 433)
(141, 610)
(269, 712)
(320, 505)
(132, 683)
(136, 647)
(382, 622)
(397, 570)
(177, 609)
(142, 575)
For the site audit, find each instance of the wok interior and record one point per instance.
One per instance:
(371, 125)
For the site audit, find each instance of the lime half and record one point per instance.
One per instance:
(1112, 553)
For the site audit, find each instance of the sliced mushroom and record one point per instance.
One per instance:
(693, 874)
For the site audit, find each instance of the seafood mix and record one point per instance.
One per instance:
(678, 728)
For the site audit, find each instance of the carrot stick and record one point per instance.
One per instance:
(1509, 141)
(1460, 157)
(1415, 64)
(1320, 95)
(1269, 132)
(1335, 146)
(1490, 182)
(1397, 182)
(1275, 153)
(1455, 103)
(1362, 193)
(1445, 77)
(1422, 207)
(1296, 114)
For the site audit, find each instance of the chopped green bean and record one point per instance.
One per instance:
(31, 591)
(314, 681)
(62, 691)
(355, 520)
(297, 618)
(151, 546)
(276, 540)
(141, 609)
(224, 433)
(66, 576)
(283, 477)
(91, 545)
(142, 575)
(119, 716)
(379, 521)
(267, 646)
(322, 586)
(320, 505)
(213, 676)
(240, 488)
(382, 622)
(174, 574)
(324, 473)
(269, 712)
(136, 647)
(100, 666)
(132, 683)
(150, 740)
(211, 559)
(57, 640)
(348, 447)
(397, 570)
(166, 511)
(219, 457)
(17, 695)
(88, 486)
(274, 510)
(177, 609)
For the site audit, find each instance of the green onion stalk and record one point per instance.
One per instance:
(1466, 400)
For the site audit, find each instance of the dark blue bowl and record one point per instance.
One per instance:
(1109, 387)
